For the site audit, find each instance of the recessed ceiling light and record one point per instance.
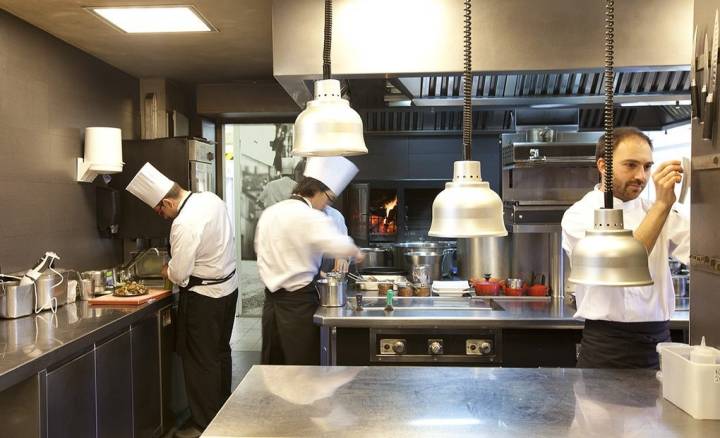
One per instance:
(153, 19)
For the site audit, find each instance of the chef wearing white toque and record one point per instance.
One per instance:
(202, 264)
(290, 241)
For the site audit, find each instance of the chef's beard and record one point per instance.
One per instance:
(627, 190)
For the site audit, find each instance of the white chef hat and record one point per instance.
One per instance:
(334, 172)
(150, 185)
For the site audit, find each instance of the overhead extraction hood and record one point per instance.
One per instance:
(402, 59)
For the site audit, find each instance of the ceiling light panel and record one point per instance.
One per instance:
(153, 19)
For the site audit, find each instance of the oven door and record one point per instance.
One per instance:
(202, 177)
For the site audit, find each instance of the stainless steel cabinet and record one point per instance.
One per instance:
(114, 389)
(146, 377)
(71, 399)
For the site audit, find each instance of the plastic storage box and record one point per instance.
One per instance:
(690, 378)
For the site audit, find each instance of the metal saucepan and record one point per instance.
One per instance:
(332, 291)
(433, 259)
(376, 257)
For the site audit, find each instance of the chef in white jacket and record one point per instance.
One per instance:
(290, 240)
(624, 324)
(202, 264)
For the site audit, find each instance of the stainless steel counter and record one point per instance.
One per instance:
(420, 401)
(435, 312)
(31, 343)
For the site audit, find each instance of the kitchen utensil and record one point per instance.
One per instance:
(435, 260)
(98, 281)
(712, 87)
(376, 257)
(15, 300)
(405, 289)
(400, 249)
(154, 294)
(86, 289)
(381, 270)
(515, 287)
(384, 286)
(681, 285)
(332, 291)
(422, 290)
(706, 76)
(486, 287)
(694, 97)
(50, 285)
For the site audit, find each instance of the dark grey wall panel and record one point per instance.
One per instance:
(49, 93)
(403, 157)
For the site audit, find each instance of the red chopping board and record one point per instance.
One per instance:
(153, 294)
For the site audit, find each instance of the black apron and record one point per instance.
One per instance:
(289, 336)
(203, 330)
(611, 344)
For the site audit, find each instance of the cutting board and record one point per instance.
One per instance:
(154, 294)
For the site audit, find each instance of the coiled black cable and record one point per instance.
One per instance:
(608, 110)
(467, 84)
(327, 39)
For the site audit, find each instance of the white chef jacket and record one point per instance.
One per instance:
(202, 245)
(290, 240)
(277, 190)
(628, 304)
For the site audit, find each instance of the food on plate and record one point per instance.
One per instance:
(130, 289)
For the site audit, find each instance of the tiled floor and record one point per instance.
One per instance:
(245, 344)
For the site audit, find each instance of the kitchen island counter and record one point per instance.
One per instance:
(444, 401)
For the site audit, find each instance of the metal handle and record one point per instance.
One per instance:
(709, 118)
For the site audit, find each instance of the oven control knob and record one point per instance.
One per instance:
(210, 156)
(399, 347)
(436, 347)
(485, 347)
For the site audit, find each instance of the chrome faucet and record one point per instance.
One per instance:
(134, 261)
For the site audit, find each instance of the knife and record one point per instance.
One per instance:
(706, 76)
(693, 83)
(712, 88)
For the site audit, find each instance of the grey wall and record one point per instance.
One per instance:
(704, 212)
(409, 157)
(49, 92)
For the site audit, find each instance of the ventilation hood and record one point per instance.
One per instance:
(400, 61)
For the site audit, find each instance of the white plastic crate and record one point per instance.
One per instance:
(692, 385)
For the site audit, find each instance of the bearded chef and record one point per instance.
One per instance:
(291, 238)
(202, 264)
(624, 324)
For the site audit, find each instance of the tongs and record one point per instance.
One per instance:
(356, 277)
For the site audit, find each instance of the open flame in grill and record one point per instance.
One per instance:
(383, 217)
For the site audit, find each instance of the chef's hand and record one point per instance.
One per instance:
(665, 177)
(164, 271)
(341, 265)
(359, 257)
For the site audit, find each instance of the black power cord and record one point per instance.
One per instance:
(327, 39)
(467, 83)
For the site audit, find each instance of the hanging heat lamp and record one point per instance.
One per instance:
(609, 255)
(328, 126)
(467, 207)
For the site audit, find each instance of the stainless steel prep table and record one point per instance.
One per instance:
(435, 313)
(423, 401)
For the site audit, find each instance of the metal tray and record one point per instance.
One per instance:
(373, 285)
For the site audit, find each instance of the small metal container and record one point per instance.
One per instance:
(86, 289)
(332, 291)
(681, 285)
(15, 300)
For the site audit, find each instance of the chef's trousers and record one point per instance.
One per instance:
(203, 343)
(289, 336)
(612, 344)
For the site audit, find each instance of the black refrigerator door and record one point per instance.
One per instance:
(169, 156)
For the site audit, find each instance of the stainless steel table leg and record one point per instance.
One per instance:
(327, 346)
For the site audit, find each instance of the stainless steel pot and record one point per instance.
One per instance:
(441, 246)
(48, 288)
(429, 258)
(376, 258)
(15, 300)
(332, 291)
